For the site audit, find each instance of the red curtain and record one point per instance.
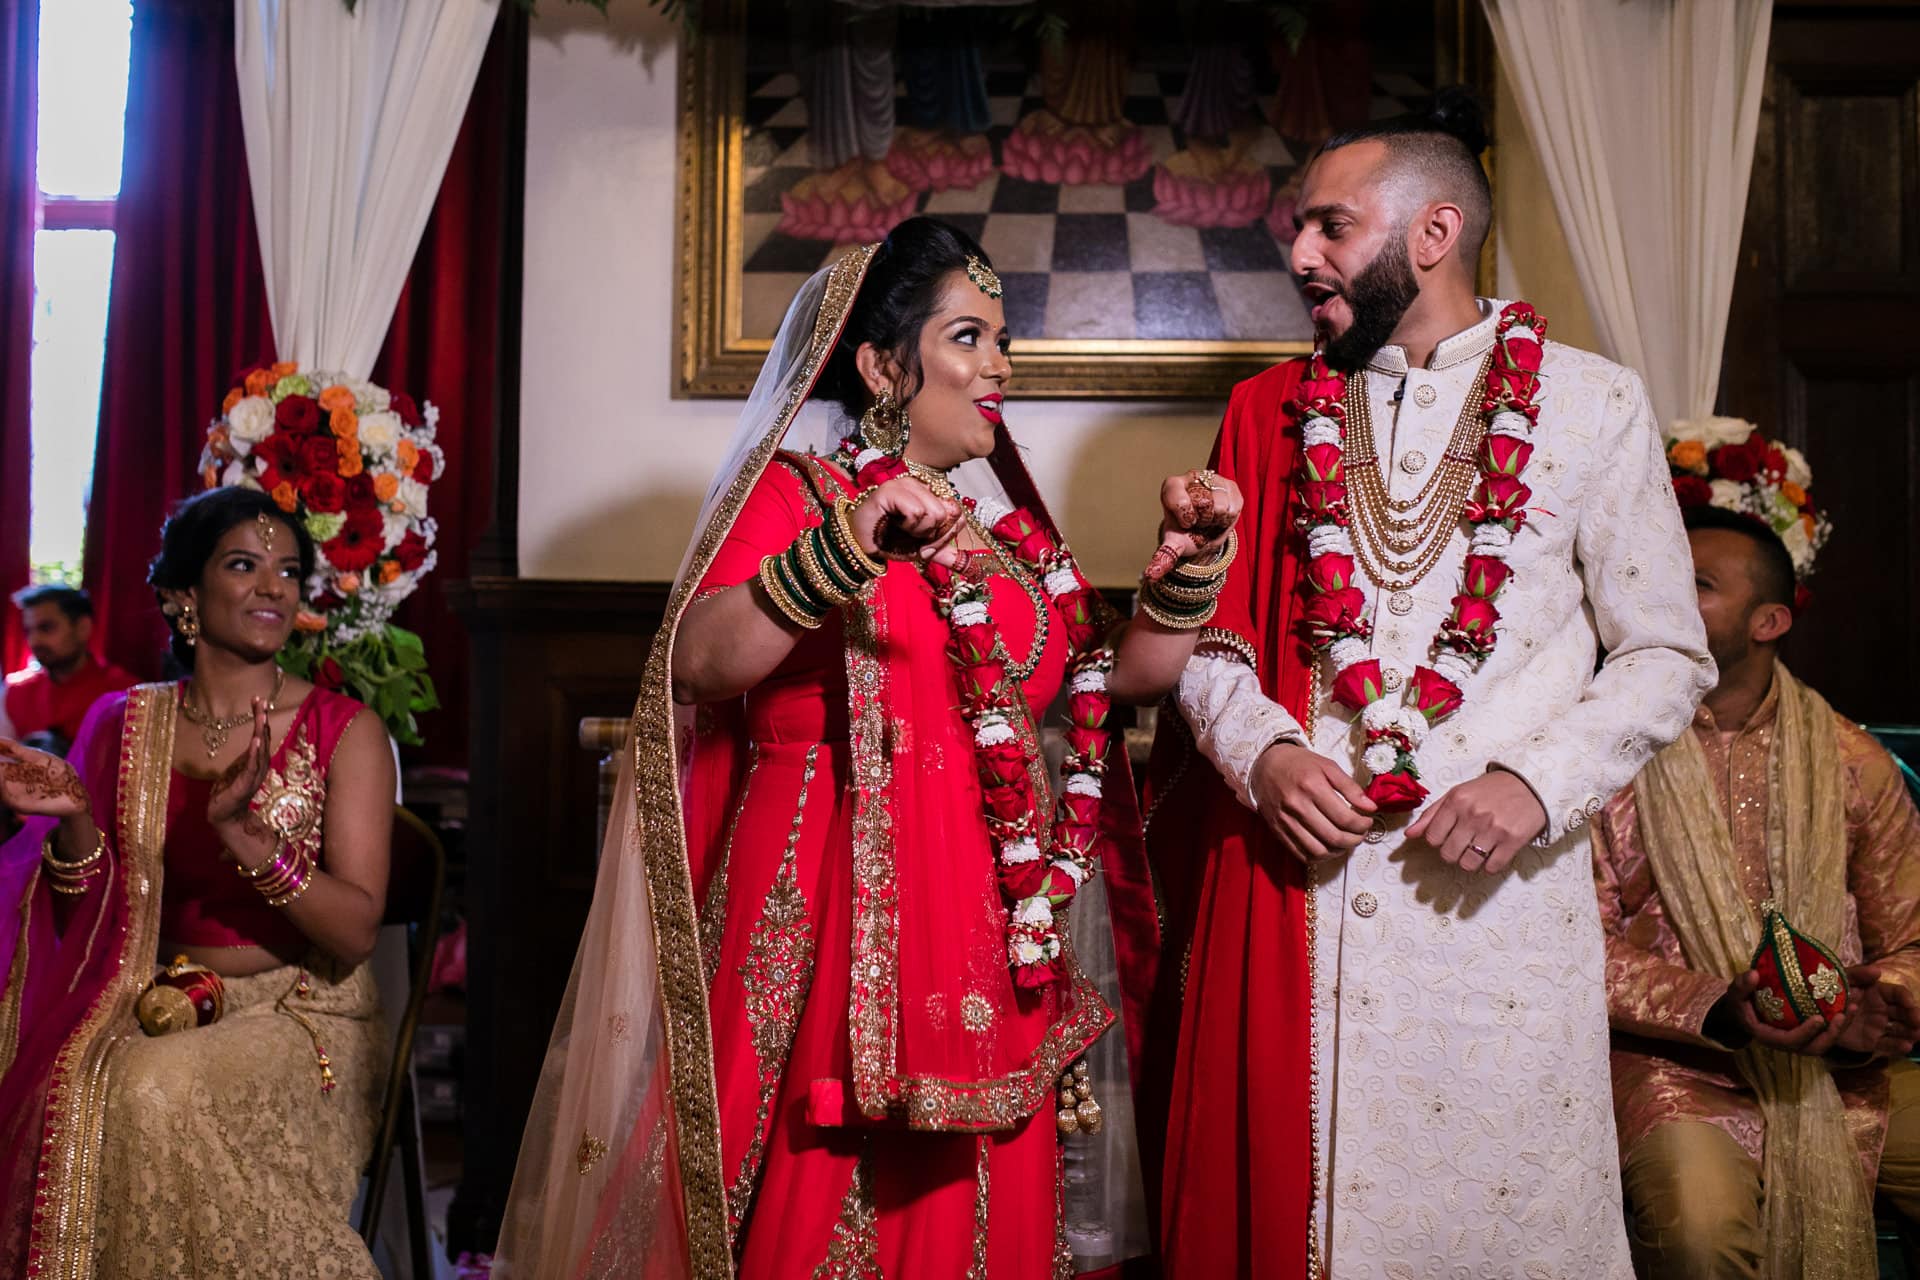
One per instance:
(189, 311)
(19, 91)
(188, 306)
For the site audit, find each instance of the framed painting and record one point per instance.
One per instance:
(1129, 165)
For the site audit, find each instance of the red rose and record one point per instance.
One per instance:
(359, 542)
(1692, 491)
(325, 493)
(1078, 810)
(1498, 498)
(1474, 615)
(1010, 807)
(1775, 462)
(1512, 389)
(360, 491)
(402, 405)
(1088, 710)
(328, 674)
(1335, 613)
(978, 682)
(318, 456)
(1396, 792)
(423, 469)
(1736, 462)
(1324, 501)
(297, 414)
(973, 642)
(1485, 575)
(410, 551)
(1323, 463)
(1508, 455)
(1330, 572)
(1034, 977)
(1002, 765)
(1022, 879)
(1435, 696)
(1359, 684)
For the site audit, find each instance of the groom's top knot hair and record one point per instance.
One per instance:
(1437, 152)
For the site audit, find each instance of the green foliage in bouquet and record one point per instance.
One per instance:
(386, 669)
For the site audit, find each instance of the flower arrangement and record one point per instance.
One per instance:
(353, 463)
(1728, 463)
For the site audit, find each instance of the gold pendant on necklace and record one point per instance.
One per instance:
(215, 736)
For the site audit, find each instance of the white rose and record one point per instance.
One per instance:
(379, 433)
(240, 474)
(395, 525)
(1729, 495)
(1798, 471)
(413, 498)
(1799, 546)
(1712, 432)
(251, 419)
(367, 398)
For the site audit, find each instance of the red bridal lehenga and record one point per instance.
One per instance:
(792, 1045)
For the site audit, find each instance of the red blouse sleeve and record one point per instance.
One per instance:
(773, 515)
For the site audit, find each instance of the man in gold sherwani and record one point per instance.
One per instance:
(1746, 1150)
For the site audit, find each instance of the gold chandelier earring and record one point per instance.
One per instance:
(184, 623)
(885, 425)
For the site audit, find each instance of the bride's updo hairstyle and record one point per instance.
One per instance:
(898, 296)
(191, 533)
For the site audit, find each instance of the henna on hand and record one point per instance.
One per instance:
(32, 778)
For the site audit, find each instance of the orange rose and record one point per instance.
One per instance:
(389, 570)
(408, 455)
(283, 369)
(385, 485)
(344, 423)
(308, 622)
(210, 477)
(1794, 493)
(349, 583)
(1807, 523)
(336, 397)
(284, 495)
(259, 382)
(1689, 455)
(234, 397)
(350, 464)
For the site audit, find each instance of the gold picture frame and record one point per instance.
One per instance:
(714, 356)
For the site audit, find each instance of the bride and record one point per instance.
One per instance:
(826, 1015)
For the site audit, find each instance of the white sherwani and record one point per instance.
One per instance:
(1465, 1113)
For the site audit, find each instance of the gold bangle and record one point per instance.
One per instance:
(303, 876)
(60, 866)
(1214, 569)
(1175, 622)
(777, 592)
(1177, 593)
(849, 545)
(806, 555)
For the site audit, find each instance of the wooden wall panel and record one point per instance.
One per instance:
(1823, 344)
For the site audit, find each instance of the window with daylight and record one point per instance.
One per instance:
(84, 46)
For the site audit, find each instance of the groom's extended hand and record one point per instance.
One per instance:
(1316, 809)
(1480, 825)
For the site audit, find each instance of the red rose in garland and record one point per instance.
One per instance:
(1396, 792)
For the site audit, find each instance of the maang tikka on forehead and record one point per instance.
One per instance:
(266, 531)
(983, 277)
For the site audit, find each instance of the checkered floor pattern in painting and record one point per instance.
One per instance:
(1078, 261)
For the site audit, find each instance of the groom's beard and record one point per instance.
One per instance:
(1378, 297)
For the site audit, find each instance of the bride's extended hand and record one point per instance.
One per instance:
(904, 520)
(1199, 508)
(234, 789)
(39, 784)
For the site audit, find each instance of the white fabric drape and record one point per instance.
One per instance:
(349, 119)
(1644, 113)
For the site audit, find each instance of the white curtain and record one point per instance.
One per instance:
(349, 119)
(1644, 112)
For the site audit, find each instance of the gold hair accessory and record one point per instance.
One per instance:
(266, 531)
(983, 277)
(885, 425)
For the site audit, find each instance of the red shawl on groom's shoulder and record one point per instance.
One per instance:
(1226, 1080)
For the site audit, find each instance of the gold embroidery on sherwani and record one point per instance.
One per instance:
(854, 1251)
(777, 972)
(1817, 1207)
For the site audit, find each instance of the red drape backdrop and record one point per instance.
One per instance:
(189, 311)
(187, 308)
(19, 85)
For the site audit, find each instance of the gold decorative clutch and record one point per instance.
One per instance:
(181, 996)
(1799, 977)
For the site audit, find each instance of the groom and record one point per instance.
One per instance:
(1385, 1029)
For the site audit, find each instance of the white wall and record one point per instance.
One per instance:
(612, 468)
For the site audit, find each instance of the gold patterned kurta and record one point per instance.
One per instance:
(1664, 1068)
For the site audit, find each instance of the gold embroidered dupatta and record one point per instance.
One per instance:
(1819, 1218)
(67, 1172)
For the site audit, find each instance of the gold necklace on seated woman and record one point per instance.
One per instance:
(215, 729)
(1019, 672)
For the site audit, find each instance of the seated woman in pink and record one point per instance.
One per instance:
(240, 819)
